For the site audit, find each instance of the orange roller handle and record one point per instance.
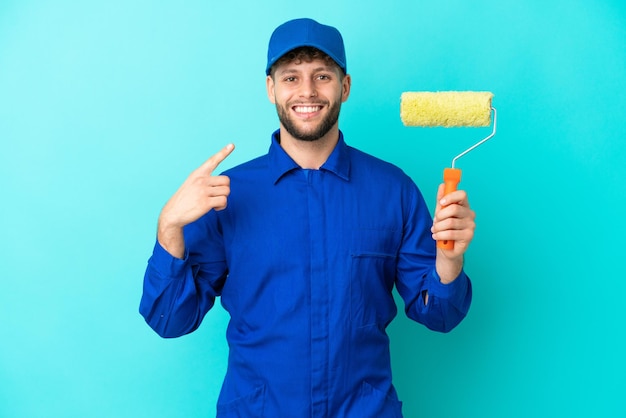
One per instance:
(451, 180)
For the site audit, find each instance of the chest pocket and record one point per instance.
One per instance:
(372, 274)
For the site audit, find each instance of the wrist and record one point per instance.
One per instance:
(171, 238)
(448, 269)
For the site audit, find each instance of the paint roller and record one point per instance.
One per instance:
(449, 109)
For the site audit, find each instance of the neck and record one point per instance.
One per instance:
(309, 154)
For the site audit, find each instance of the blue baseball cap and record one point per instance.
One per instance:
(305, 32)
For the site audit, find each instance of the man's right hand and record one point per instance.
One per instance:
(201, 192)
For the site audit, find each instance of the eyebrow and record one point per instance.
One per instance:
(294, 71)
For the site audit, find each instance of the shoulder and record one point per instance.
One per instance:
(365, 163)
(248, 168)
(384, 178)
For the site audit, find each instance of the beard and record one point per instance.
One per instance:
(312, 134)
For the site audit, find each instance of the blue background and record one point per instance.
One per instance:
(105, 107)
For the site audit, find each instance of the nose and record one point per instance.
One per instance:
(308, 89)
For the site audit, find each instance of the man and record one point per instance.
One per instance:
(304, 246)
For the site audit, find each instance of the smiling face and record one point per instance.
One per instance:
(308, 94)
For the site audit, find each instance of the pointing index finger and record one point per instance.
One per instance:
(212, 163)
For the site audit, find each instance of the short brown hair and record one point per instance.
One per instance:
(305, 54)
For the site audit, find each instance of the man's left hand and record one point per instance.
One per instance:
(454, 220)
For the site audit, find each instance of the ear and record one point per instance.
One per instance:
(346, 84)
(269, 83)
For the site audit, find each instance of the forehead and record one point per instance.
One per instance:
(299, 65)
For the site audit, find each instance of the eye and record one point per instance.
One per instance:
(289, 79)
(324, 77)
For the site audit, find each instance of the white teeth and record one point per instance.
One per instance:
(307, 109)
